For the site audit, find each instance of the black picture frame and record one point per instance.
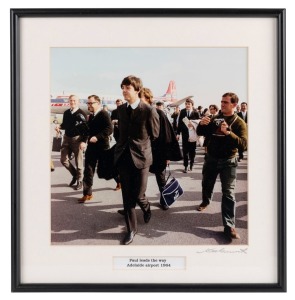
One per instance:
(280, 16)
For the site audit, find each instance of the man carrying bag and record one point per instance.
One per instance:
(73, 141)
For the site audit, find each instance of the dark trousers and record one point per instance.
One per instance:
(241, 154)
(189, 152)
(227, 170)
(91, 160)
(161, 181)
(133, 184)
(72, 145)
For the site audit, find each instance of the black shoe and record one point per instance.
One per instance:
(185, 170)
(191, 168)
(129, 237)
(147, 215)
(121, 212)
(202, 206)
(73, 181)
(79, 185)
(164, 207)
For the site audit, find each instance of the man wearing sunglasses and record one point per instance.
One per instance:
(100, 129)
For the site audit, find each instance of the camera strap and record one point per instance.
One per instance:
(229, 126)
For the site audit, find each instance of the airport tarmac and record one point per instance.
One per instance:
(97, 222)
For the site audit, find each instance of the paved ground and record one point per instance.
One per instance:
(98, 223)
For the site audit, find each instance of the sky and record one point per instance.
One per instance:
(204, 73)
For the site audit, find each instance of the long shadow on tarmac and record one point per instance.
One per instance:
(98, 223)
(72, 221)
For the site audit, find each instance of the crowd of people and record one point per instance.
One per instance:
(146, 141)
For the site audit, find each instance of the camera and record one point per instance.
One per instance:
(217, 126)
(218, 122)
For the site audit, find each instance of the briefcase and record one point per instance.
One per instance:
(56, 143)
(171, 192)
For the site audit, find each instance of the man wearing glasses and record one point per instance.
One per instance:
(100, 129)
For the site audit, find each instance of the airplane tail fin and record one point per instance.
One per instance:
(171, 90)
(170, 95)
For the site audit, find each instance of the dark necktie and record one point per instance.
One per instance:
(129, 110)
(187, 112)
(91, 117)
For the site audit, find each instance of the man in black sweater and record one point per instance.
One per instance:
(73, 140)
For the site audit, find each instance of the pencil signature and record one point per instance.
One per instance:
(223, 250)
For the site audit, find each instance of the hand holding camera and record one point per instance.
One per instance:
(205, 120)
(224, 128)
(221, 126)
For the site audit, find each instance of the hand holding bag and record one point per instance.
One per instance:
(171, 191)
(56, 143)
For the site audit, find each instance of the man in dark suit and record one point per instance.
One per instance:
(100, 129)
(138, 124)
(188, 147)
(175, 117)
(243, 112)
(200, 111)
(244, 115)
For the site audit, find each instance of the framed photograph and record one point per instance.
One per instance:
(194, 57)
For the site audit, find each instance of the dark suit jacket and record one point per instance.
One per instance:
(101, 127)
(114, 116)
(136, 133)
(241, 116)
(182, 127)
(165, 147)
